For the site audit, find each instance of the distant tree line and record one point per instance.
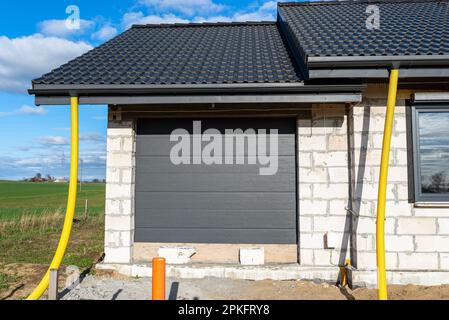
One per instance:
(48, 178)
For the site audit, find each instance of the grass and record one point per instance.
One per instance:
(31, 219)
(36, 199)
(6, 280)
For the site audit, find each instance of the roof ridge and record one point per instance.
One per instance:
(346, 2)
(204, 24)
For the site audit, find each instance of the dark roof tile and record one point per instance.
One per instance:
(184, 54)
(338, 28)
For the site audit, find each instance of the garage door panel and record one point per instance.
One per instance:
(157, 145)
(162, 164)
(215, 200)
(199, 203)
(166, 126)
(252, 236)
(229, 182)
(188, 218)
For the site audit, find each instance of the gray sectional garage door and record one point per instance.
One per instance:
(217, 203)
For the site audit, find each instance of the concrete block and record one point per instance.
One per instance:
(113, 175)
(127, 207)
(305, 190)
(326, 224)
(305, 224)
(312, 207)
(113, 144)
(339, 174)
(115, 191)
(120, 159)
(431, 212)
(418, 261)
(432, 243)
(119, 223)
(305, 159)
(414, 226)
(401, 157)
(337, 143)
(128, 144)
(443, 226)
(322, 257)
(337, 207)
(311, 240)
(444, 261)
(331, 159)
(306, 257)
(331, 191)
(313, 175)
(314, 142)
(399, 208)
(367, 225)
(367, 260)
(118, 254)
(127, 175)
(176, 255)
(117, 132)
(112, 207)
(399, 243)
(252, 256)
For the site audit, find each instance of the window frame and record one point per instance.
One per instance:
(416, 109)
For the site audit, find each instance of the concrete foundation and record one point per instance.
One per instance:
(365, 278)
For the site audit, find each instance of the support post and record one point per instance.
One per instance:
(158, 279)
(53, 287)
(383, 179)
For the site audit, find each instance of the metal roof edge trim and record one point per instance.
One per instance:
(206, 99)
(388, 61)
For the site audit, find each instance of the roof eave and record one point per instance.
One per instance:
(377, 61)
(254, 88)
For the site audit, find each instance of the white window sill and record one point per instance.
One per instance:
(431, 205)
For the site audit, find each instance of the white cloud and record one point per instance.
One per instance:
(105, 33)
(32, 110)
(139, 18)
(25, 110)
(92, 137)
(53, 141)
(196, 13)
(25, 58)
(186, 7)
(58, 28)
(266, 12)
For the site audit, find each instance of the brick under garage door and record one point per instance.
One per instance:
(219, 203)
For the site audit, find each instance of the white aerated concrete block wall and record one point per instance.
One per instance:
(339, 155)
(119, 221)
(323, 184)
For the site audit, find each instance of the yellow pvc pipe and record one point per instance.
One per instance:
(71, 202)
(383, 178)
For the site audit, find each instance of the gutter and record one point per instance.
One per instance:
(189, 90)
(377, 61)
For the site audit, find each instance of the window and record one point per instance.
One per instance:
(430, 126)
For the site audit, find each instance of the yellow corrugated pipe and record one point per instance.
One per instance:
(71, 202)
(383, 178)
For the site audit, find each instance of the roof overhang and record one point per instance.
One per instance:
(203, 99)
(377, 61)
(197, 94)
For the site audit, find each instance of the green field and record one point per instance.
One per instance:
(27, 198)
(31, 219)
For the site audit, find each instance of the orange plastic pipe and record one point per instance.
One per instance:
(158, 279)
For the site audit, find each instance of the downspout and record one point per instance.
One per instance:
(383, 178)
(71, 202)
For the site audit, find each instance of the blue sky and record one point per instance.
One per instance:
(34, 40)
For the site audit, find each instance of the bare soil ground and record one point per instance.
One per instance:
(111, 286)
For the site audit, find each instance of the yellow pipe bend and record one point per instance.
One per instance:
(383, 179)
(71, 203)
